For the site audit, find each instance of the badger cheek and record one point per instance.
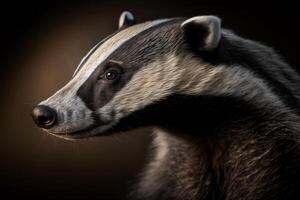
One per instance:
(107, 114)
(72, 121)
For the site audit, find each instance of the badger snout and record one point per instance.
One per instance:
(44, 116)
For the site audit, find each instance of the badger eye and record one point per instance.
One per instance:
(111, 75)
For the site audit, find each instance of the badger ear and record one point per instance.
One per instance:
(126, 19)
(203, 32)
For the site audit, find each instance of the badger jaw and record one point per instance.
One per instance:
(83, 133)
(67, 132)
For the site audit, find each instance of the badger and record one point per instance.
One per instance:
(224, 110)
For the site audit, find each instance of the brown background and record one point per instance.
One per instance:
(41, 44)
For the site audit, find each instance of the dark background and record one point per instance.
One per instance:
(41, 44)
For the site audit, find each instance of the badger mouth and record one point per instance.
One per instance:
(91, 131)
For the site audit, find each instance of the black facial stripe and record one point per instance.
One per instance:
(96, 93)
(93, 50)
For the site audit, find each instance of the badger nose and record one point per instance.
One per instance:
(43, 116)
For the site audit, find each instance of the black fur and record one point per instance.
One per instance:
(228, 144)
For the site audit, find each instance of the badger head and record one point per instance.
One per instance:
(119, 84)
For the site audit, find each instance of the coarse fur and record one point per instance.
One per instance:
(225, 110)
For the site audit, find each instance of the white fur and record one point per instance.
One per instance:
(155, 169)
(123, 16)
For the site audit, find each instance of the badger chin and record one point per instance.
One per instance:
(87, 132)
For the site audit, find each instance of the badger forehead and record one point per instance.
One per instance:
(124, 44)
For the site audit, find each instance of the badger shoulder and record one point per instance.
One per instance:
(262, 61)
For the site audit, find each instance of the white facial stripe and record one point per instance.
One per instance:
(167, 76)
(235, 81)
(88, 54)
(151, 83)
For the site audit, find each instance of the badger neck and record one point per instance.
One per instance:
(220, 147)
